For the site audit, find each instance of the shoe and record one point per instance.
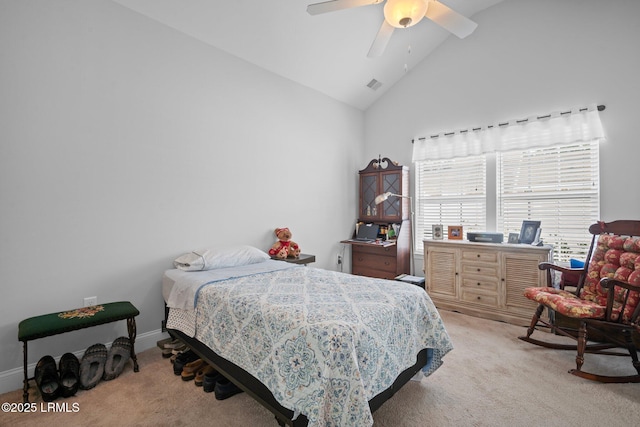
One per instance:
(47, 380)
(92, 366)
(204, 370)
(209, 381)
(182, 359)
(190, 369)
(224, 389)
(172, 344)
(169, 351)
(161, 343)
(118, 356)
(69, 368)
(180, 349)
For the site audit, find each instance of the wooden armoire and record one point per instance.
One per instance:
(389, 256)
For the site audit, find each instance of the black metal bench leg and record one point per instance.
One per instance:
(131, 328)
(25, 385)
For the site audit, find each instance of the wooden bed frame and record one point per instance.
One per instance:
(253, 387)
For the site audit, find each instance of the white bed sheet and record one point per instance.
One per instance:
(180, 288)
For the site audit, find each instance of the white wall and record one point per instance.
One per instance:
(125, 144)
(527, 58)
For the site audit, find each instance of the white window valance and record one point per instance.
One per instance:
(579, 125)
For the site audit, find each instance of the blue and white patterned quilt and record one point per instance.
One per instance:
(323, 342)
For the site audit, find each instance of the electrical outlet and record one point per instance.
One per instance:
(339, 259)
(90, 301)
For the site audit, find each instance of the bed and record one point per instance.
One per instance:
(314, 346)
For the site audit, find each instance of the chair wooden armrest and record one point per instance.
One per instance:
(551, 266)
(610, 284)
(607, 283)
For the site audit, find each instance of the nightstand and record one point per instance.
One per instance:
(302, 259)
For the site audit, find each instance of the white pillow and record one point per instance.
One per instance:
(209, 259)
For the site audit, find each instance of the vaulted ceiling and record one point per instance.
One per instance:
(326, 52)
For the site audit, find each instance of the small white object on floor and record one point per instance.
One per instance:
(418, 376)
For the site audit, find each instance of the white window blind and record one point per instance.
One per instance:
(450, 192)
(558, 186)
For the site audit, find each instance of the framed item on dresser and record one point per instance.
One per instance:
(455, 232)
(437, 231)
(529, 231)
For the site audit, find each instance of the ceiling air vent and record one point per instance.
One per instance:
(374, 84)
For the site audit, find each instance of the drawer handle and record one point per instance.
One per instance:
(478, 283)
(478, 255)
(479, 298)
(386, 263)
(478, 269)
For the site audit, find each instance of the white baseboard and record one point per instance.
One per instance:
(13, 379)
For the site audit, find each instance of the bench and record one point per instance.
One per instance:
(47, 325)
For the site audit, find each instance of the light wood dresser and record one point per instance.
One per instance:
(484, 279)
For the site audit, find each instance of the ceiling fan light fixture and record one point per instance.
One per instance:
(404, 13)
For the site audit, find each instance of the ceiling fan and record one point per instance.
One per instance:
(402, 14)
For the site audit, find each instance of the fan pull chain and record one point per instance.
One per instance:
(406, 67)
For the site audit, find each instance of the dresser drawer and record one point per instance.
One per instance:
(474, 270)
(475, 283)
(372, 272)
(374, 249)
(374, 262)
(479, 256)
(486, 299)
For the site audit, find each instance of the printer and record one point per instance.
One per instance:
(485, 237)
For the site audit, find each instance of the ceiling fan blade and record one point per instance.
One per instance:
(331, 6)
(450, 20)
(381, 41)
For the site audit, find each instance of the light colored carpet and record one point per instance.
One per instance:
(490, 379)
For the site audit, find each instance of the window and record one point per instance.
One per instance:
(545, 168)
(450, 192)
(558, 186)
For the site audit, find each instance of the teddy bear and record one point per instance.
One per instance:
(284, 247)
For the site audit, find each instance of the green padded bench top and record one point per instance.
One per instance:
(71, 320)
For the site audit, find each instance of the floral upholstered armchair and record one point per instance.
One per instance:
(605, 302)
